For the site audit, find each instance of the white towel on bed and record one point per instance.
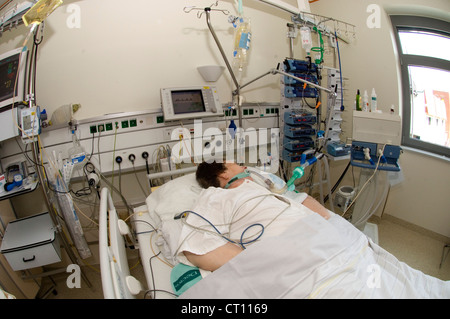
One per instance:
(223, 207)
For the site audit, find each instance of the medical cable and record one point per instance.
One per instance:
(367, 182)
(370, 212)
(338, 182)
(63, 184)
(157, 254)
(211, 224)
(132, 159)
(98, 150)
(153, 280)
(114, 153)
(92, 147)
(242, 241)
(117, 191)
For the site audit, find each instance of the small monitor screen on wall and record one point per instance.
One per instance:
(8, 74)
(12, 83)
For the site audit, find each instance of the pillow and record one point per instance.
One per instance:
(173, 197)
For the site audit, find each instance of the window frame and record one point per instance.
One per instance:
(416, 23)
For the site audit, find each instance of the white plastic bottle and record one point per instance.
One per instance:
(77, 154)
(242, 39)
(365, 102)
(373, 102)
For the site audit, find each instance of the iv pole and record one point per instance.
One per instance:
(236, 83)
(236, 92)
(207, 11)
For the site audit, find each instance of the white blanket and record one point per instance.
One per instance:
(315, 258)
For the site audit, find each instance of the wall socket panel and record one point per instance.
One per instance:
(128, 133)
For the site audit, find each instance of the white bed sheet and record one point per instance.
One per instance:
(338, 263)
(318, 259)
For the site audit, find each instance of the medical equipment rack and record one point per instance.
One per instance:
(298, 126)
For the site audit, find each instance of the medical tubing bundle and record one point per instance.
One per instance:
(367, 182)
(71, 219)
(67, 207)
(239, 241)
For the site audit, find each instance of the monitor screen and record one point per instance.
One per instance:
(12, 74)
(8, 73)
(188, 101)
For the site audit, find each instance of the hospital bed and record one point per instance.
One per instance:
(320, 258)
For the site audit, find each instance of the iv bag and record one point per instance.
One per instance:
(305, 34)
(41, 10)
(242, 39)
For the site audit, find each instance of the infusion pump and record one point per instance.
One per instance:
(190, 102)
(30, 122)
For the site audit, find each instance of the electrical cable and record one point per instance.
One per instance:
(368, 214)
(114, 153)
(338, 182)
(92, 148)
(98, 151)
(63, 184)
(365, 184)
(139, 183)
(239, 241)
(117, 191)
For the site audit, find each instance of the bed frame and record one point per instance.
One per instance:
(117, 281)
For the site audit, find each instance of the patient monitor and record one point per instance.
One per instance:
(190, 102)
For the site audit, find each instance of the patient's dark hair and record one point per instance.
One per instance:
(208, 174)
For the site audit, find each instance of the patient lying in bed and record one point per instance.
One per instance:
(306, 250)
(231, 213)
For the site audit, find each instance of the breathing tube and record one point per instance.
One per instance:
(298, 172)
(244, 174)
(272, 182)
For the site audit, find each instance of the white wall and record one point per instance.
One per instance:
(124, 52)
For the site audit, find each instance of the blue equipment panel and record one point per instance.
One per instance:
(299, 130)
(295, 117)
(291, 156)
(300, 143)
(308, 77)
(388, 162)
(338, 149)
(292, 65)
(298, 91)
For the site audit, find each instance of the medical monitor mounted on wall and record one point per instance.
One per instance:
(12, 66)
(190, 102)
(12, 76)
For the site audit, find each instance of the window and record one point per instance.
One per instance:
(424, 51)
